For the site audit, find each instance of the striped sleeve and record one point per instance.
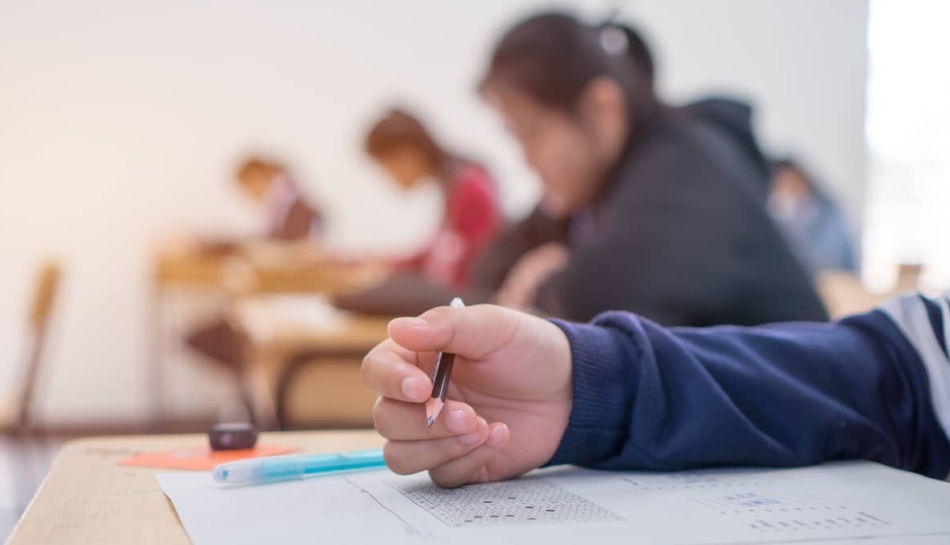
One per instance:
(925, 322)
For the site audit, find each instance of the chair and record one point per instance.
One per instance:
(16, 422)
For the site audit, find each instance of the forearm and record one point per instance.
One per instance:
(647, 397)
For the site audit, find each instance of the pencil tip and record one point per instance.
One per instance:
(433, 408)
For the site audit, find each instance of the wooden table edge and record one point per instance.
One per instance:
(115, 448)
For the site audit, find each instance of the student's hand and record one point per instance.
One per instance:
(521, 285)
(508, 402)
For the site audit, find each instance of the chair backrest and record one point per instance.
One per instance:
(41, 309)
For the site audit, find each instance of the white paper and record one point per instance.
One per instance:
(264, 315)
(838, 502)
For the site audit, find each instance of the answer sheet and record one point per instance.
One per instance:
(834, 502)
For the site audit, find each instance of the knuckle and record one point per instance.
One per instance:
(368, 365)
(379, 414)
(397, 464)
(480, 476)
(444, 479)
(364, 369)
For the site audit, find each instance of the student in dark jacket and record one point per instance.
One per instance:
(625, 393)
(493, 266)
(665, 206)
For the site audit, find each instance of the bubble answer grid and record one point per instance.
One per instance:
(505, 503)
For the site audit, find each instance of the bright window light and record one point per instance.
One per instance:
(908, 132)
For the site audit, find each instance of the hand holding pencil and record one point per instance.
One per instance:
(507, 393)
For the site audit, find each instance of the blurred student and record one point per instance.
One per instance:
(665, 206)
(545, 224)
(287, 214)
(811, 219)
(406, 150)
(289, 218)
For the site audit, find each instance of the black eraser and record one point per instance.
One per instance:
(232, 436)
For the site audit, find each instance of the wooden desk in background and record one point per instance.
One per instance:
(88, 498)
(189, 270)
(289, 334)
(267, 271)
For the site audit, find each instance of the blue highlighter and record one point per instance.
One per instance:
(288, 468)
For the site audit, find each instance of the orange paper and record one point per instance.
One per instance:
(201, 458)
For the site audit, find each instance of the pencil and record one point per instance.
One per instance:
(440, 379)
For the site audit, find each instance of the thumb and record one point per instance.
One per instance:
(471, 332)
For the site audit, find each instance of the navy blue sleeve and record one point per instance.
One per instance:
(646, 397)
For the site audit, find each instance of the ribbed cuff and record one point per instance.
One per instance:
(600, 381)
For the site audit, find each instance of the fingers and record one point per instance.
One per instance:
(471, 332)
(389, 373)
(473, 466)
(451, 461)
(407, 457)
(400, 421)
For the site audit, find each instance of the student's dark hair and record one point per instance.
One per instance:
(256, 163)
(553, 57)
(399, 129)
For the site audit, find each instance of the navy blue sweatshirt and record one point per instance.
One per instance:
(874, 386)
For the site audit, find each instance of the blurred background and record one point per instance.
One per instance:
(122, 126)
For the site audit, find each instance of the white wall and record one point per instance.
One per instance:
(119, 122)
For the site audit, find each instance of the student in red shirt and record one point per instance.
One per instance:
(410, 155)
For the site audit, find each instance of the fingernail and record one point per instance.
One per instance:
(416, 322)
(470, 439)
(410, 387)
(457, 420)
(496, 436)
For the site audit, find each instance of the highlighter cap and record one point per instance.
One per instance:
(277, 468)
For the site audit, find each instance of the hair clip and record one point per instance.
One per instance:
(613, 40)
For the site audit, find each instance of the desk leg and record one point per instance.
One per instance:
(155, 372)
(22, 470)
(258, 389)
(293, 365)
